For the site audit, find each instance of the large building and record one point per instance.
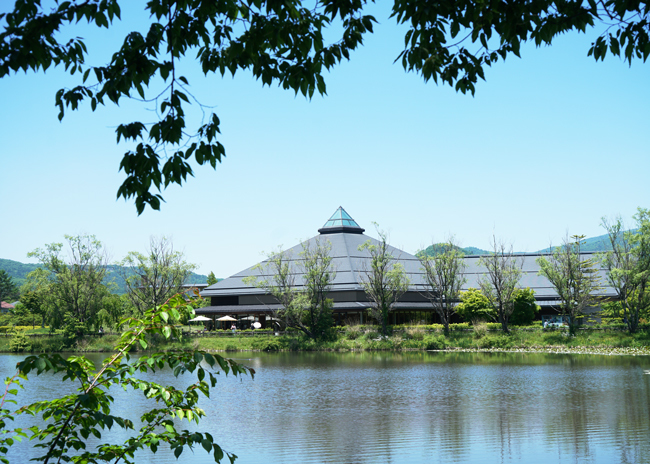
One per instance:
(237, 297)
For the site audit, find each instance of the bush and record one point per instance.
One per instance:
(19, 343)
(496, 341)
(480, 328)
(435, 342)
(525, 307)
(353, 332)
(474, 305)
(266, 344)
(415, 333)
(460, 326)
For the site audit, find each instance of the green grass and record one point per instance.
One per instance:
(363, 338)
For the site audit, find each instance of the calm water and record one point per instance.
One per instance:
(418, 408)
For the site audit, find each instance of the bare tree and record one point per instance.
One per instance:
(498, 284)
(628, 266)
(304, 305)
(444, 275)
(384, 280)
(574, 277)
(153, 278)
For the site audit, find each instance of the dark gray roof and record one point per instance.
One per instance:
(530, 276)
(347, 261)
(350, 264)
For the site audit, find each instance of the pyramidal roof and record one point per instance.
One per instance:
(344, 237)
(340, 222)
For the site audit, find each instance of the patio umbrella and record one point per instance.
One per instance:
(200, 319)
(227, 318)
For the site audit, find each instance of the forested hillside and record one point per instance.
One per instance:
(18, 272)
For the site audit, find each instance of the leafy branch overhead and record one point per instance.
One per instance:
(278, 42)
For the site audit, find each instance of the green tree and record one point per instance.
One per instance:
(498, 284)
(151, 279)
(525, 307)
(383, 280)
(474, 306)
(278, 42)
(67, 422)
(304, 304)
(8, 289)
(453, 42)
(444, 275)
(628, 267)
(573, 276)
(36, 294)
(76, 287)
(212, 279)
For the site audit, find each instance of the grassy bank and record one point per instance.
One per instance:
(362, 338)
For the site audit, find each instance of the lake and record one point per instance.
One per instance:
(415, 407)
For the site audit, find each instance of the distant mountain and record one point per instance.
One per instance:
(593, 244)
(18, 272)
(436, 248)
(598, 244)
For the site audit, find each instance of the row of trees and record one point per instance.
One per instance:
(72, 289)
(575, 277)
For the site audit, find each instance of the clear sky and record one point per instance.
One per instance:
(550, 144)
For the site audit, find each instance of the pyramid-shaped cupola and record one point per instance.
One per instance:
(341, 222)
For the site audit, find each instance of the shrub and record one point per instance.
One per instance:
(480, 328)
(525, 307)
(496, 341)
(266, 344)
(19, 343)
(353, 332)
(415, 333)
(460, 326)
(435, 342)
(474, 305)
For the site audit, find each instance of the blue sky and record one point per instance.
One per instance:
(550, 144)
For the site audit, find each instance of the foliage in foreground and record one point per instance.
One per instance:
(292, 43)
(66, 423)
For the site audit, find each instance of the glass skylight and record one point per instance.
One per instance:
(341, 218)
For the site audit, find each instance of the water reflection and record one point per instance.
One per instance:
(419, 407)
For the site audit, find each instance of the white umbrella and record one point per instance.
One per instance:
(227, 318)
(257, 325)
(200, 319)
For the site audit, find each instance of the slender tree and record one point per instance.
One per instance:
(212, 279)
(152, 278)
(574, 277)
(444, 275)
(628, 266)
(383, 280)
(503, 271)
(304, 304)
